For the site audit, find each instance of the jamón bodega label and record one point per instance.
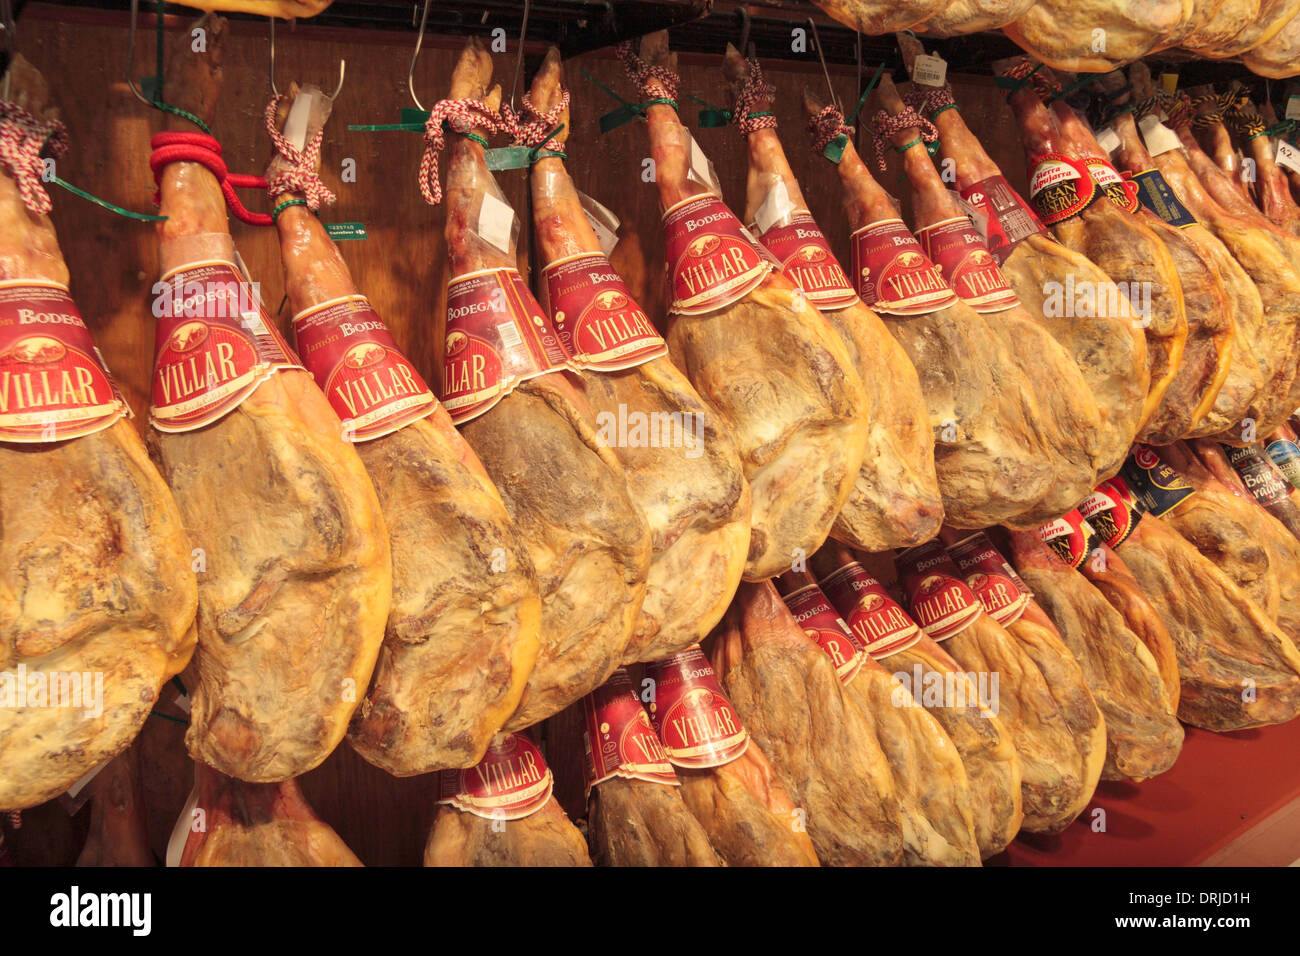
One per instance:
(893, 272)
(711, 261)
(599, 323)
(823, 626)
(967, 265)
(874, 618)
(618, 738)
(695, 722)
(511, 782)
(941, 601)
(806, 260)
(1001, 590)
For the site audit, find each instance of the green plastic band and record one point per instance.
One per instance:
(1011, 84)
(141, 216)
(175, 720)
(865, 93)
(521, 157)
(275, 213)
(946, 106)
(1085, 79)
(834, 150)
(908, 145)
(152, 88)
(628, 111)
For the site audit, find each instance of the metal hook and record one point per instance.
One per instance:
(817, 41)
(130, 57)
(519, 54)
(742, 14)
(419, 41)
(343, 65)
(8, 43)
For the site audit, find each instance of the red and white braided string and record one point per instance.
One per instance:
(755, 89)
(826, 125)
(529, 127)
(651, 82)
(22, 138)
(886, 125)
(462, 116)
(929, 100)
(301, 176)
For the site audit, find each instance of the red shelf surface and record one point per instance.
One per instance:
(1222, 786)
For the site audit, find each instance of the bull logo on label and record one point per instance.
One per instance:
(611, 301)
(703, 246)
(456, 342)
(873, 602)
(810, 254)
(978, 581)
(37, 350)
(367, 354)
(189, 336)
(931, 584)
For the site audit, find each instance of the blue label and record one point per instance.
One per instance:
(1155, 194)
(1157, 488)
(1286, 455)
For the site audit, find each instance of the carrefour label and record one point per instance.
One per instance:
(806, 259)
(53, 383)
(824, 626)
(894, 274)
(693, 718)
(1261, 477)
(1059, 187)
(599, 323)
(1003, 594)
(1157, 488)
(1120, 191)
(966, 264)
(874, 618)
(511, 782)
(941, 601)
(1006, 220)
(1286, 456)
(214, 344)
(497, 337)
(618, 738)
(369, 382)
(1070, 537)
(1158, 196)
(712, 261)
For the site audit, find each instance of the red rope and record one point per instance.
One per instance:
(16, 819)
(461, 116)
(651, 82)
(529, 127)
(826, 125)
(205, 150)
(22, 139)
(885, 126)
(301, 176)
(754, 89)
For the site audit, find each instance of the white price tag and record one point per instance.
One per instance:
(776, 206)
(1158, 137)
(930, 70)
(181, 831)
(1293, 107)
(1108, 139)
(295, 127)
(496, 221)
(1287, 155)
(976, 215)
(603, 223)
(701, 168)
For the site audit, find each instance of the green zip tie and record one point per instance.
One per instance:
(141, 216)
(946, 106)
(521, 157)
(275, 213)
(1086, 79)
(155, 83)
(174, 720)
(1011, 84)
(413, 121)
(180, 685)
(906, 146)
(834, 150)
(628, 111)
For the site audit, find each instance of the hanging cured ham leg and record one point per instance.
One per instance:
(1273, 192)
(95, 573)
(1070, 422)
(297, 581)
(463, 630)
(989, 450)
(534, 431)
(688, 483)
(774, 371)
(895, 500)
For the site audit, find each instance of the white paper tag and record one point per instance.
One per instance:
(775, 207)
(181, 831)
(1158, 137)
(295, 127)
(1108, 139)
(182, 701)
(1293, 107)
(81, 784)
(976, 215)
(929, 70)
(1287, 155)
(496, 221)
(702, 169)
(603, 223)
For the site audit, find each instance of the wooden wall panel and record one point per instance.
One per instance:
(401, 267)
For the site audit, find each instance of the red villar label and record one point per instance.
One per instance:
(1070, 537)
(967, 265)
(823, 625)
(599, 323)
(941, 601)
(806, 259)
(712, 262)
(511, 782)
(1120, 191)
(497, 336)
(53, 384)
(214, 344)
(695, 721)
(1112, 511)
(1011, 220)
(1003, 594)
(369, 383)
(1059, 187)
(874, 618)
(894, 274)
(618, 738)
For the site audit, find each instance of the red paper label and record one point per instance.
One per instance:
(1059, 187)
(823, 625)
(1118, 190)
(618, 738)
(511, 782)
(214, 344)
(712, 262)
(806, 259)
(497, 336)
(941, 601)
(599, 323)
(1112, 511)
(1010, 220)
(894, 275)
(965, 263)
(1071, 537)
(1003, 594)
(369, 383)
(874, 618)
(693, 718)
(53, 384)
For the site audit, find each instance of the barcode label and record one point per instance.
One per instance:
(508, 333)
